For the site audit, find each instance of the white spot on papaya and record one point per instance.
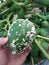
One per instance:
(20, 25)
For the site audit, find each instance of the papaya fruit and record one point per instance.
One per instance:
(43, 32)
(20, 36)
(37, 30)
(42, 2)
(15, 7)
(34, 50)
(44, 24)
(21, 14)
(45, 46)
(27, 2)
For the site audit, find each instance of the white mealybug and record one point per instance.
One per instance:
(20, 25)
(17, 39)
(9, 34)
(23, 40)
(11, 29)
(13, 52)
(12, 44)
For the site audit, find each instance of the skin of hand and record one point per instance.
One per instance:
(6, 56)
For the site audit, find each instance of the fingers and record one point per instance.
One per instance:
(26, 52)
(22, 57)
(3, 41)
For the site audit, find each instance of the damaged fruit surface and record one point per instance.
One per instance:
(20, 35)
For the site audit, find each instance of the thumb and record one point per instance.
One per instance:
(22, 57)
(3, 41)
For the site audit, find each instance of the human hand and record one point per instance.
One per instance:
(6, 56)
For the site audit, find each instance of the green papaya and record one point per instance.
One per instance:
(20, 35)
(27, 2)
(37, 30)
(42, 2)
(15, 7)
(44, 45)
(1, 33)
(21, 14)
(34, 50)
(43, 17)
(44, 24)
(43, 32)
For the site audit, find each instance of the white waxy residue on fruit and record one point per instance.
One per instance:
(13, 52)
(23, 40)
(12, 44)
(20, 25)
